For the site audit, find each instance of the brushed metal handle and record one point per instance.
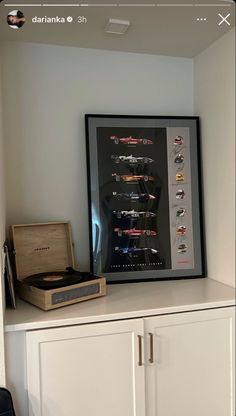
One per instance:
(151, 357)
(140, 351)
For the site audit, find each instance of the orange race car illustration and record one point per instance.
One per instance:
(179, 177)
(133, 232)
(130, 140)
(132, 178)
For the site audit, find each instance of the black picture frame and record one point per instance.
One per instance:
(144, 193)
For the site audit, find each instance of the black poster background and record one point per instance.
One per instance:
(112, 261)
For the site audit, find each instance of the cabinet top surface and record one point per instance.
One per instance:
(126, 301)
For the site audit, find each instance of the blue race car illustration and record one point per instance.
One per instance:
(134, 214)
(132, 160)
(135, 251)
(133, 197)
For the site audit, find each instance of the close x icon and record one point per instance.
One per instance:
(224, 19)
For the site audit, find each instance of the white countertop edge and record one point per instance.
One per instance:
(54, 323)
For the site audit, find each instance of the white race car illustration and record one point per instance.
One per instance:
(134, 214)
(180, 194)
(180, 212)
(182, 248)
(131, 160)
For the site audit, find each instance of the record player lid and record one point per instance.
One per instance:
(42, 247)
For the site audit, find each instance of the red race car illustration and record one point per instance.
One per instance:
(130, 140)
(133, 232)
(132, 178)
(178, 140)
(181, 230)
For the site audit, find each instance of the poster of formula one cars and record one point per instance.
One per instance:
(144, 197)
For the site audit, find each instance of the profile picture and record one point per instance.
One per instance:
(16, 19)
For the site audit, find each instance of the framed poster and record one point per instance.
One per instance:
(144, 197)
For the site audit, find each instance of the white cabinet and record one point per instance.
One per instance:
(157, 349)
(190, 364)
(86, 370)
(171, 365)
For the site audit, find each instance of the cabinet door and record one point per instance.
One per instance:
(190, 369)
(87, 370)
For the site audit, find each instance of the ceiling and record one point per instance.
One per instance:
(157, 27)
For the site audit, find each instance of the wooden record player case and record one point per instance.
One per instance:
(47, 247)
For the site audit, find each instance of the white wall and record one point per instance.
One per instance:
(214, 86)
(47, 91)
(2, 238)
